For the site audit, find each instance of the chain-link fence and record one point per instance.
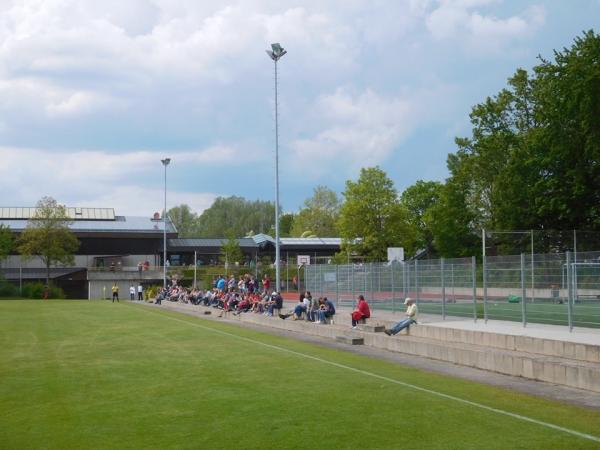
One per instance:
(557, 288)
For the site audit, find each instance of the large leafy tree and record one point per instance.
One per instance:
(567, 94)
(372, 219)
(319, 214)
(48, 236)
(533, 159)
(6, 242)
(236, 216)
(185, 220)
(418, 199)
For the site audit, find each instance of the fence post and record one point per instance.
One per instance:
(569, 291)
(337, 286)
(353, 291)
(485, 312)
(523, 292)
(473, 276)
(321, 280)
(393, 288)
(453, 299)
(371, 277)
(443, 288)
(365, 279)
(404, 280)
(417, 280)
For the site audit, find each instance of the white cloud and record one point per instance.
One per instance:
(460, 19)
(360, 130)
(126, 181)
(140, 201)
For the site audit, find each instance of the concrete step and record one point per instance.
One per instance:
(528, 344)
(567, 372)
(350, 340)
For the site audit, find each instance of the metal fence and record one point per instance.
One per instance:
(558, 288)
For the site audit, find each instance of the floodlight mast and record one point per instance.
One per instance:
(276, 52)
(165, 162)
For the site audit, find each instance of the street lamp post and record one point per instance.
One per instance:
(165, 162)
(275, 54)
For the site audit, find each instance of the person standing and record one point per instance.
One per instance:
(140, 292)
(115, 292)
(266, 282)
(411, 317)
(131, 293)
(362, 311)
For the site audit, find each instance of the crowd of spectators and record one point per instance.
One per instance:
(319, 310)
(246, 295)
(228, 294)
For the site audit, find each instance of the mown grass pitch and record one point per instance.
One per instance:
(79, 374)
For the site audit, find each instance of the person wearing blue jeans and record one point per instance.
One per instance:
(411, 317)
(276, 302)
(326, 310)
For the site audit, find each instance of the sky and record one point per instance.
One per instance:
(94, 94)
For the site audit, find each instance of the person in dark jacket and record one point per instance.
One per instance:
(326, 310)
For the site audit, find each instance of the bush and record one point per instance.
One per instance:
(35, 290)
(8, 289)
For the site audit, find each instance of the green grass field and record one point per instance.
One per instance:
(79, 374)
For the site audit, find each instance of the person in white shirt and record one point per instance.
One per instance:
(411, 317)
(131, 292)
(140, 291)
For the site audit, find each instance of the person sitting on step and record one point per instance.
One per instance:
(411, 317)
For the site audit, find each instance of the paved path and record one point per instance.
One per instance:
(538, 388)
(555, 332)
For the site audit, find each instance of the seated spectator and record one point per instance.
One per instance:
(276, 301)
(326, 310)
(298, 310)
(243, 306)
(313, 308)
(362, 311)
(411, 317)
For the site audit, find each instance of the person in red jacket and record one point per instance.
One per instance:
(362, 311)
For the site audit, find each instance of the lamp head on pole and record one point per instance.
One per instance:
(276, 52)
(165, 161)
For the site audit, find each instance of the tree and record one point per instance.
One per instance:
(533, 159)
(231, 251)
(185, 220)
(286, 223)
(48, 237)
(319, 214)
(236, 216)
(372, 219)
(6, 242)
(417, 199)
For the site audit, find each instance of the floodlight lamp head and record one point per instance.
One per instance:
(277, 51)
(165, 161)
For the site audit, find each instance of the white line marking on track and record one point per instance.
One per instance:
(390, 380)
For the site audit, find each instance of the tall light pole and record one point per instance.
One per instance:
(165, 162)
(275, 54)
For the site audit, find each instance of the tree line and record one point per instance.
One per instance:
(532, 162)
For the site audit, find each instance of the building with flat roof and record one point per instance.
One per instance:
(112, 248)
